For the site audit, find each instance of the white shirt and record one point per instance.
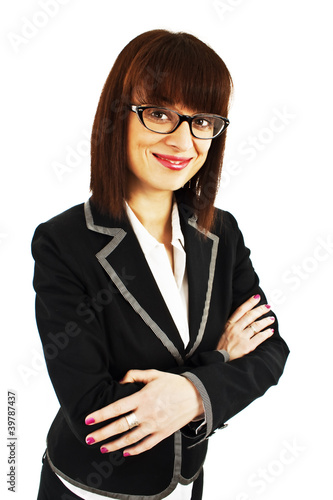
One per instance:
(174, 289)
(173, 286)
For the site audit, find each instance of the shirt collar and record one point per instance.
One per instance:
(177, 235)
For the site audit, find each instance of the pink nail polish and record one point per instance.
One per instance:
(272, 318)
(126, 454)
(90, 440)
(267, 306)
(272, 330)
(89, 421)
(256, 296)
(104, 450)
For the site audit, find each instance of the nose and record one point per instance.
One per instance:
(181, 138)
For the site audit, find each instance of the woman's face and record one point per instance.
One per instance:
(159, 162)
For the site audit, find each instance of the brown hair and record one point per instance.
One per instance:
(158, 67)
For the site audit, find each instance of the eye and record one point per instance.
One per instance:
(203, 123)
(158, 115)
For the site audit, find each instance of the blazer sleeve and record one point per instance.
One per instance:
(228, 387)
(75, 350)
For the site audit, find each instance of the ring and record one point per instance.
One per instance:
(254, 330)
(132, 420)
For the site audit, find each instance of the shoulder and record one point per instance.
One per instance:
(225, 224)
(223, 217)
(79, 231)
(60, 229)
(224, 221)
(67, 220)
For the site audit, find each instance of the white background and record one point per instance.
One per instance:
(277, 182)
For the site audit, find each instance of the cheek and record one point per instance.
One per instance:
(134, 150)
(202, 152)
(133, 135)
(203, 148)
(129, 142)
(139, 139)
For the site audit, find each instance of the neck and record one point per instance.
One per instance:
(154, 213)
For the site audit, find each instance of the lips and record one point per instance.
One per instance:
(172, 162)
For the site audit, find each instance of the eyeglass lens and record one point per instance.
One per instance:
(204, 126)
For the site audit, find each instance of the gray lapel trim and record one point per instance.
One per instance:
(118, 235)
(101, 256)
(212, 266)
(123, 496)
(193, 478)
(110, 231)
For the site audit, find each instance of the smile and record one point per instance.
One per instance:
(172, 162)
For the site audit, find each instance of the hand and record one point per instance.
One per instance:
(166, 404)
(242, 333)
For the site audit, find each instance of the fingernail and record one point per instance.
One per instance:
(256, 296)
(126, 454)
(272, 318)
(104, 450)
(267, 306)
(90, 440)
(272, 330)
(89, 421)
(120, 381)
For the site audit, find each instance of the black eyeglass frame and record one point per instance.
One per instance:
(182, 118)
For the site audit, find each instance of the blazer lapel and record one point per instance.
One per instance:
(201, 254)
(125, 263)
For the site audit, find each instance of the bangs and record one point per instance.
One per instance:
(182, 70)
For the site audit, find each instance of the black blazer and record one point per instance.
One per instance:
(100, 313)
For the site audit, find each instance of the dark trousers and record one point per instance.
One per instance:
(51, 488)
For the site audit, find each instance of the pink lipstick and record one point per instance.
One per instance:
(172, 162)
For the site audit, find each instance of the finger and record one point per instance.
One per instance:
(117, 427)
(145, 445)
(125, 441)
(261, 337)
(113, 410)
(258, 326)
(251, 316)
(244, 308)
(144, 376)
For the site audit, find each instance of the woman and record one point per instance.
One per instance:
(154, 328)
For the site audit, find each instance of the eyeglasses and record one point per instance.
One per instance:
(165, 121)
